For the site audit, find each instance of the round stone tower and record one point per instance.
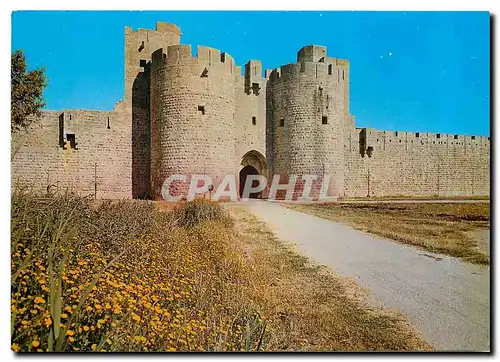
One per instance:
(307, 107)
(192, 110)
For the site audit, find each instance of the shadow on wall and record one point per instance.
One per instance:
(141, 134)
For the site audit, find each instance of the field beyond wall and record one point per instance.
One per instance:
(451, 228)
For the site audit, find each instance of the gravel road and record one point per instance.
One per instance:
(446, 299)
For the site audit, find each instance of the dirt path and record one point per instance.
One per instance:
(446, 299)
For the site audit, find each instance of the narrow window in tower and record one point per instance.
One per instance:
(282, 122)
(201, 109)
(343, 74)
(254, 120)
(330, 69)
(324, 120)
(108, 124)
(70, 117)
(396, 133)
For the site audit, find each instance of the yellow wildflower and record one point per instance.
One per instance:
(69, 332)
(48, 322)
(39, 300)
(15, 347)
(86, 328)
(35, 343)
(140, 339)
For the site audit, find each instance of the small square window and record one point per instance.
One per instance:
(417, 134)
(396, 133)
(254, 120)
(455, 137)
(282, 122)
(473, 137)
(438, 135)
(324, 120)
(201, 109)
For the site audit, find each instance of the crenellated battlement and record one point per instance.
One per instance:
(311, 53)
(161, 27)
(406, 140)
(206, 57)
(320, 70)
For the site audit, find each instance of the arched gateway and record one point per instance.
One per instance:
(252, 163)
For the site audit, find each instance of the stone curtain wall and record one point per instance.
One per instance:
(101, 162)
(416, 164)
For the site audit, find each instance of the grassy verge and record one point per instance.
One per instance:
(404, 197)
(309, 308)
(436, 227)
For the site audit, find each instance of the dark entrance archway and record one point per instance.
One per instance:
(245, 171)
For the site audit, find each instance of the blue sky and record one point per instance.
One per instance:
(414, 71)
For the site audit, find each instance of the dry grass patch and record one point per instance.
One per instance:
(437, 227)
(308, 307)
